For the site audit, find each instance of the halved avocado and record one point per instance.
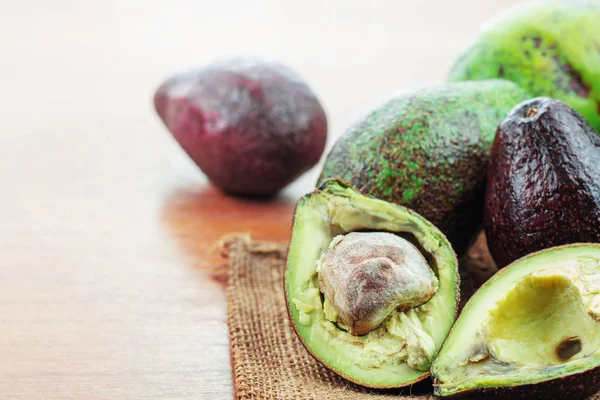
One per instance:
(387, 351)
(532, 331)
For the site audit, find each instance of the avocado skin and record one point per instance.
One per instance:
(579, 386)
(543, 182)
(428, 151)
(550, 49)
(252, 125)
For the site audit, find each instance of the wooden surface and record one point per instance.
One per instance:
(106, 227)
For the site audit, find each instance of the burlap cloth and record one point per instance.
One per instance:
(267, 358)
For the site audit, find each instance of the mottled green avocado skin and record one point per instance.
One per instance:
(548, 48)
(428, 151)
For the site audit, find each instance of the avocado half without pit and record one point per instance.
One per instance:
(371, 287)
(532, 331)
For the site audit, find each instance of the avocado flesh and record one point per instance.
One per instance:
(399, 351)
(536, 320)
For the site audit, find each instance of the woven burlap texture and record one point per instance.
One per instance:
(268, 360)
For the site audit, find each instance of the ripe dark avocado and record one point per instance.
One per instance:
(428, 151)
(543, 182)
(531, 332)
(549, 48)
(251, 125)
(369, 251)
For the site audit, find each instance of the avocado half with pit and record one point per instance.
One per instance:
(371, 287)
(532, 331)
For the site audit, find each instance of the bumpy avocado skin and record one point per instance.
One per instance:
(428, 151)
(549, 48)
(543, 182)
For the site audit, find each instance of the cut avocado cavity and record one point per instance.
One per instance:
(533, 328)
(371, 287)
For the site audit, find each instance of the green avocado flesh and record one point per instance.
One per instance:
(549, 48)
(400, 349)
(536, 320)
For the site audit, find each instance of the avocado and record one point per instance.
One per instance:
(371, 287)
(252, 125)
(543, 182)
(549, 48)
(428, 151)
(531, 332)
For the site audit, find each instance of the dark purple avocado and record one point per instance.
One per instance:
(543, 186)
(251, 125)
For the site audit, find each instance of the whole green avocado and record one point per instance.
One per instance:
(550, 49)
(428, 150)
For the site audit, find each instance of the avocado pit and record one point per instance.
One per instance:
(365, 276)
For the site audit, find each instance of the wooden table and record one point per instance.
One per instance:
(106, 227)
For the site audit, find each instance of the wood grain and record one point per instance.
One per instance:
(107, 229)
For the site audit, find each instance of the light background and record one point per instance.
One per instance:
(94, 299)
(89, 68)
